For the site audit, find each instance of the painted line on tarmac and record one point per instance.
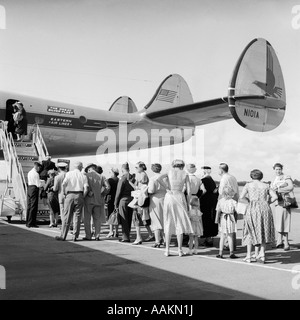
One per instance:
(264, 266)
(255, 265)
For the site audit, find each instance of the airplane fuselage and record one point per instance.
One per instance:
(73, 130)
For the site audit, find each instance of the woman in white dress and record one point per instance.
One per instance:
(176, 218)
(157, 194)
(141, 216)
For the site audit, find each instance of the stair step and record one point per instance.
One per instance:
(24, 144)
(27, 159)
(26, 152)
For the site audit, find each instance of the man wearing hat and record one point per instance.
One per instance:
(94, 201)
(75, 187)
(58, 180)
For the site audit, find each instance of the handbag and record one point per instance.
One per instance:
(242, 207)
(290, 202)
(143, 199)
(114, 218)
(218, 216)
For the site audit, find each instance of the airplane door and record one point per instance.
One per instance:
(9, 115)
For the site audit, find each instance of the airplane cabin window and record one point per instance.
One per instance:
(83, 119)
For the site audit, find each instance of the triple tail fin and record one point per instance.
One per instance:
(123, 104)
(256, 94)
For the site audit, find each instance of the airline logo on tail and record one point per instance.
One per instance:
(270, 87)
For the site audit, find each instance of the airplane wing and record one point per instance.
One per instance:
(195, 114)
(256, 95)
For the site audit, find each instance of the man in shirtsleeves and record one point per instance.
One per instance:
(75, 187)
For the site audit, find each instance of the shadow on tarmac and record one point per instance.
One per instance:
(38, 267)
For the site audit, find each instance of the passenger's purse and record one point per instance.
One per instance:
(144, 200)
(242, 207)
(290, 203)
(114, 218)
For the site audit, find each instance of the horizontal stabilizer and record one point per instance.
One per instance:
(256, 96)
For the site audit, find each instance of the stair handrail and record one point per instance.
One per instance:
(13, 164)
(39, 142)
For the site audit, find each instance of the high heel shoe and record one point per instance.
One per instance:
(247, 260)
(156, 245)
(110, 235)
(181, 253)
(261, 259)
(137, 243)
(167, 253)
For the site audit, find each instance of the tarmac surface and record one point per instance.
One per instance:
(38, 267)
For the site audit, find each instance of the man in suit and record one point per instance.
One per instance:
(94, 202)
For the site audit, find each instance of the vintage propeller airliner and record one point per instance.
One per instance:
(256, 100)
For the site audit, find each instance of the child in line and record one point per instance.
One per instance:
(196, 219)
(226, 209)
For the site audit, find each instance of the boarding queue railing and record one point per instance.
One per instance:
(15, 174)
(39, 142)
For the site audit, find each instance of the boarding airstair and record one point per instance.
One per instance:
(19, 158)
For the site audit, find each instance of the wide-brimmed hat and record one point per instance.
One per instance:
(90, 165)
(191, 168)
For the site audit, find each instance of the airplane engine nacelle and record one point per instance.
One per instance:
(256, 93)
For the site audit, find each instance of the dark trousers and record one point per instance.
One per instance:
(32, 205)
(125, 215)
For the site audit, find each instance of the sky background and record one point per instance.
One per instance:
(90, 52)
